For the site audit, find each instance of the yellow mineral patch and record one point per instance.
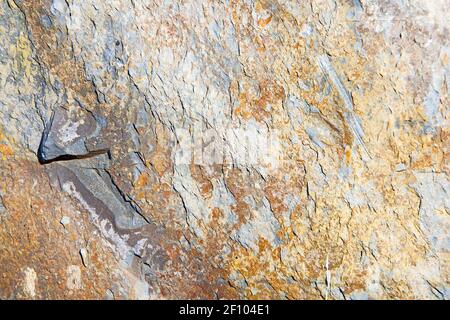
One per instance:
(5, 149)
(22, 54)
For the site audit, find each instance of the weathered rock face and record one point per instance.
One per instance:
(224, 149)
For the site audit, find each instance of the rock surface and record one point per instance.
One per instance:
(247, 149)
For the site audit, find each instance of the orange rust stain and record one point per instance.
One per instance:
(203, 180)
(263, 245)
(423, 162)
(140, 195)
(173, 252)
(216, 214)
(446, 161)
(158, 190)
(5, 150)
(348, 154)
(237, 185)
(261, 48)
(234, 14)
(264, 22)
(42, 242)
(247, 263)
(244, 110)
(258, 108)
(142, 180)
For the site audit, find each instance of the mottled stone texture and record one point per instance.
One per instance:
(285, 149)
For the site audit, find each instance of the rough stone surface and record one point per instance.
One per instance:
(282, 149)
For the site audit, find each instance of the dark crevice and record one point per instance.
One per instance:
(68, 157)
(130, 203)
